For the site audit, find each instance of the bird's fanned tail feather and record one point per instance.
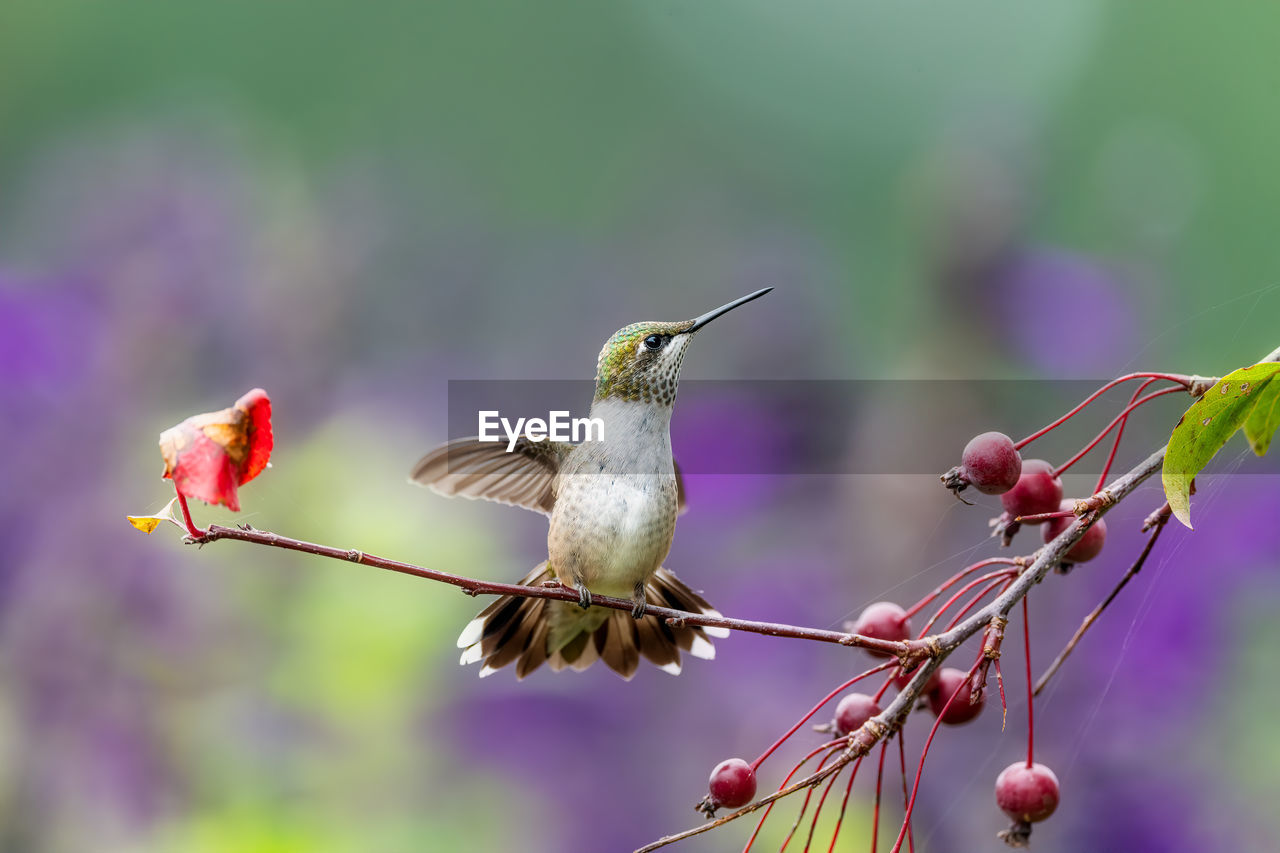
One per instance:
(533, 631)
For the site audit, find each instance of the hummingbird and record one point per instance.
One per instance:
(612, 504)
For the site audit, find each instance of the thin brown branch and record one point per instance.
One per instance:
(941, 645)
(931, 650)
(911, 649)
(859, 746)
(1160, 519)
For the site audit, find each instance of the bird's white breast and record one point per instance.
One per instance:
(615, 508)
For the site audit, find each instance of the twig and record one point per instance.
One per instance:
(930, 650)
(925, 655)
(1161, 517)
(940, 645)
(806, 782)
(907, 650)
(1044, 516)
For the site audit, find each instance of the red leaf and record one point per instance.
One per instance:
(257, 405)
(209, 456)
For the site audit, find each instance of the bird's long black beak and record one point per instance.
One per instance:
(706, 318)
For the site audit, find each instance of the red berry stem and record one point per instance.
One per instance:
(955, 579)
(884, 688)
(759, 824)
(804, 807)
(1045, 516)
(999, 583)
(1184, 381)
(822, 801)
(919, 767)
(844, 805)
(1115, 445)
(1031, 717)
(970, 585)
(902, 764)
(192, 530)
(1120, 418)
(915, 787)
(875, 814)
(755, 765)
(829, 745)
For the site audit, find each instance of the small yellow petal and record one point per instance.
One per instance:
(148, 523)
(145, 523)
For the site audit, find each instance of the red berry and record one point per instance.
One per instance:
(903, 678)
(961, 710)
(990, 463)
(883, 620)
(1089, 545)
(733, 784)
(854, 710)
(1027, 794)
(1037, 491)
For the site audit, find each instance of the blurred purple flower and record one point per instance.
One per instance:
(1066, 314)
(48, 338)
(155, 251)
(1146, 809)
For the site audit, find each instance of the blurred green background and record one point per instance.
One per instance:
(350, 204)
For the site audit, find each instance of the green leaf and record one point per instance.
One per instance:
(1264, 419)
(1245, 397)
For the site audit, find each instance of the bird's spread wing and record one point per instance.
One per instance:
(485, 470)
(470, 468)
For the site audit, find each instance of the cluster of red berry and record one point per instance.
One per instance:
(1026, 792)
(1031, 493)
(1029, 490)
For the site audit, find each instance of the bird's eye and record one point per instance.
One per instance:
(653, 343)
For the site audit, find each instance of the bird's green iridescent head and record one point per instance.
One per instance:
(641, 362)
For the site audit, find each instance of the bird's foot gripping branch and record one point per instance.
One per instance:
(910, 669)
